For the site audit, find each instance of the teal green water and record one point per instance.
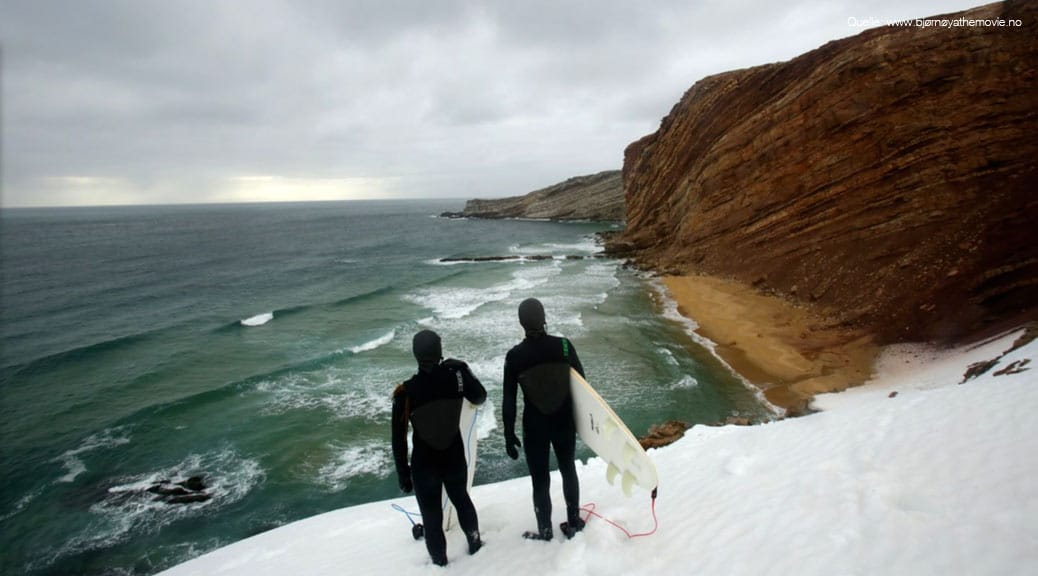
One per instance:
(257, 345)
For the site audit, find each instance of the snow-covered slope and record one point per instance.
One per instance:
(937, 479)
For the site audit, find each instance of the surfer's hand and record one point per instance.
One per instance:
(512, 445)
(406, 485)
(454, 363)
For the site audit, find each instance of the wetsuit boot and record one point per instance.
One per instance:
(545, 534)
(572, 526)
(475, 542)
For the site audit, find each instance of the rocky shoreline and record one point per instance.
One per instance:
(876, 190)
(885, 180)
(595, 197)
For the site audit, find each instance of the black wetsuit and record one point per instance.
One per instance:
(431, 401)
(540, 364)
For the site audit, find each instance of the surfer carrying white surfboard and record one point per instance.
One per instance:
(431, 401)
(540, 366)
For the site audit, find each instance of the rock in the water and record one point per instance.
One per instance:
(193, 489)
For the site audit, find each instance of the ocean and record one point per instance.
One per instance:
(256, 346)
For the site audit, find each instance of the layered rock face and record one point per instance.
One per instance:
(889, 178)
(594, 197)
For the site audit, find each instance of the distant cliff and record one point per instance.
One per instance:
(888, 178)
(594, 197)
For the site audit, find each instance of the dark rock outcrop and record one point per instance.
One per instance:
(184, 492)
(594, 197)
(890, 178)
(664, 434)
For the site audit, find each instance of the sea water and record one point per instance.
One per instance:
(257, 346)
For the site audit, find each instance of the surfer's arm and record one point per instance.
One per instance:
(511, 390)
(473, 389)
(403, 469)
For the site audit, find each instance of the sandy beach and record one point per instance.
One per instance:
(786, 350)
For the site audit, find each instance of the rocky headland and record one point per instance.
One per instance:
(593, 197)
(882, 188)
(889, 179)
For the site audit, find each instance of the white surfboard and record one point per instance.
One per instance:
(467, 424)
(607, 435)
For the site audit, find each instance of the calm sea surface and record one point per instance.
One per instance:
(257, 346)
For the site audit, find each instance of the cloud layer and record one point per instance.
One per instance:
(201, 101)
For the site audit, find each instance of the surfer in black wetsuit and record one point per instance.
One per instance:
(540, 366)
(431, 401)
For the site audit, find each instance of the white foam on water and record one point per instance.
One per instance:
(366, 403)
(454, 302)
(668, 356)
(687, 382)
(336, 391)
(588, 245)
(128, 508)
(373, 344)
(487, 422)
(440, 262)
(258, 320)
(350, 461)
(74, 466)
(21, 504)
(670, 312)
(491, 368)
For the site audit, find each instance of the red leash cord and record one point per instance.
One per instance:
(590, 509)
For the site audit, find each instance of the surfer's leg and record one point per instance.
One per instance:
(564, 441)
(427, 489)
(456, 487)
(536, 446)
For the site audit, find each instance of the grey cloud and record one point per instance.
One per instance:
(168, 101)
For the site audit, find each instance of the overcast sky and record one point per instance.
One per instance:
(141, 102)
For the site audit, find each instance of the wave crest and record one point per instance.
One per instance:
(349, 462)
(258, 320)
(373, 344)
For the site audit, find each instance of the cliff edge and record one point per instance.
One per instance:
(594, 197)
(887, 179)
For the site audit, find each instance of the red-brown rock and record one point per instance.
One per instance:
(890, 178)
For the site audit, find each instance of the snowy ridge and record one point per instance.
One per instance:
(935, 479)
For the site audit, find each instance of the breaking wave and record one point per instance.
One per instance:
(334, 391)
(258, 320)
(373, 344)
(371, 458)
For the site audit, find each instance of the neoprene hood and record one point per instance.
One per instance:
(531, 315)
(426, 347)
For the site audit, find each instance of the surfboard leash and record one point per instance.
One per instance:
(590, 509)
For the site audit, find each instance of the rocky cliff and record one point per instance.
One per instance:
(594, 197)
(887, 178)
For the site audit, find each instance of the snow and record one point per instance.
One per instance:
(937, 479)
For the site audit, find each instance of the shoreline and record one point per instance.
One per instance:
(787, 351)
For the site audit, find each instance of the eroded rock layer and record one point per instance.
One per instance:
(889, 178)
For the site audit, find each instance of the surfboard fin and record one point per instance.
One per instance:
(627, 483)
(611, 473)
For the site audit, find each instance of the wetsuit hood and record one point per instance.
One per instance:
(531, 316)
(427, 349)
